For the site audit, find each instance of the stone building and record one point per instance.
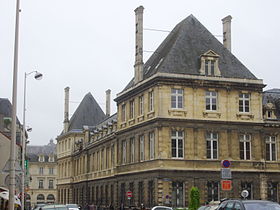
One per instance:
(42, 165)
(190, 106)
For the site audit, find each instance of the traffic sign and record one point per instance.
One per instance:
(129, 194)
(226, 173)
(226, 185)
(226, 163)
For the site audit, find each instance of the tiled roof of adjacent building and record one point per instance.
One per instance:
(88, 113)
(33, 151)
(180, 53)
(6, 108)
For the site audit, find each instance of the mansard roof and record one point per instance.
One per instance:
(180, 53)
(88, 113)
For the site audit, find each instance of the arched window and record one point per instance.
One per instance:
(40, 197)
(50, 197)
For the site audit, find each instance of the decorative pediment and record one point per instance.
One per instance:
(209, 64)
(210, 53)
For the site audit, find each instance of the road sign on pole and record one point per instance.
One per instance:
(225, 163)
(226, 173)
(226, 185)
(129, 194)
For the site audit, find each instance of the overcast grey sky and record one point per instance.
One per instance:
(89, 46)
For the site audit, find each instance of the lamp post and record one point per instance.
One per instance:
(14, 115)
(38, 76)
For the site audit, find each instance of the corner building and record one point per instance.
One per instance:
(190, 106)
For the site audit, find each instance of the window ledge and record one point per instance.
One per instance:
(177, 112)
(131, 121)
(123, 124)
(211, 114)
(150, 114)
(140, 118)
(245, 116)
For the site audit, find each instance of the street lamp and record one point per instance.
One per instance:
(38, 76)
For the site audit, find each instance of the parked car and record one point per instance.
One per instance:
(248, 205)
(54, 207)
(161, 208)
(73, 206)
(37, 206)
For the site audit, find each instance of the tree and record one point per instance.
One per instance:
(194, 202)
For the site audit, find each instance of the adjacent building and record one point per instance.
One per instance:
(42, 165)
(190, 106)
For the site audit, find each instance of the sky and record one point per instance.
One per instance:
(89, 46)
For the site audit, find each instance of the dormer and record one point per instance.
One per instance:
(269, 111)
(209, 64)
(51, 158)
(41, 158)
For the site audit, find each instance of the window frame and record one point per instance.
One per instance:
(177, 139)
(132, 149)
(211, 98)
(124, 151)
(141, 148)
(243, 140)
(152, 145)
(131, 109)
(123, 112)
(151, 101)
(141, 105)
(211, 139)
(177, 94)
(243, 98)
(269, 142)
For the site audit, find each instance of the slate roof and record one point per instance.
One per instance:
(6, 108)
(180, 53)
(88, 113)
(50, 148)
(273, 96)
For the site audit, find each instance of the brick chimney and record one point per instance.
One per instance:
(138, 66)
(66, 110)
(227, 32)
(108, 104)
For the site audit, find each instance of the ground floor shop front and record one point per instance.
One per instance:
(171, 188)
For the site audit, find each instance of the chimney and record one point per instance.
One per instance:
(138, 66)
(108, 99)
(227, 32)
(66, 110)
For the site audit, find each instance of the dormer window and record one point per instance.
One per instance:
(51, 158)
(269, 111)
(209, 64)
(41, 158)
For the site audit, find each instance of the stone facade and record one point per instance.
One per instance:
(172, 130)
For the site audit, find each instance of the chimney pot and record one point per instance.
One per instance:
(66, 110)
(108, 104)
(227, 32)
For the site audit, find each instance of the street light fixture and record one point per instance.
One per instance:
(38, 76)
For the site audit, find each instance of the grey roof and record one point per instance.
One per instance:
(6, 108)
(35, 158)
(108, 120)
(88, 113)
(48, 149)
(273, 96)
(180, 53)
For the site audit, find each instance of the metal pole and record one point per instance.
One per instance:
(23, 145)
(14, 113)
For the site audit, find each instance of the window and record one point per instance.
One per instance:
(212, 191)
(152, 145)
(50, 170)
(245, 146)
(272, 190)
(141, 105)
(123, 151)
(113, 155)
(131, 189)
(140, 192)
(212, 145)
(41, 158)
(142, 147)
(176, 98)
(244, 102)
(269, 114)
(249, 187)
(123, 113)
(50, 184)
(132, 150)
(151, 200)
(131, 109)
(209, 67)
(41, 170)
(177, 144)
(151, 101)
(41, 184)
(177, 194)
(51, 158)
(211, 100)
(270, 148)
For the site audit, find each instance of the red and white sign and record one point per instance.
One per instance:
(226, 185)
(129, 194)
